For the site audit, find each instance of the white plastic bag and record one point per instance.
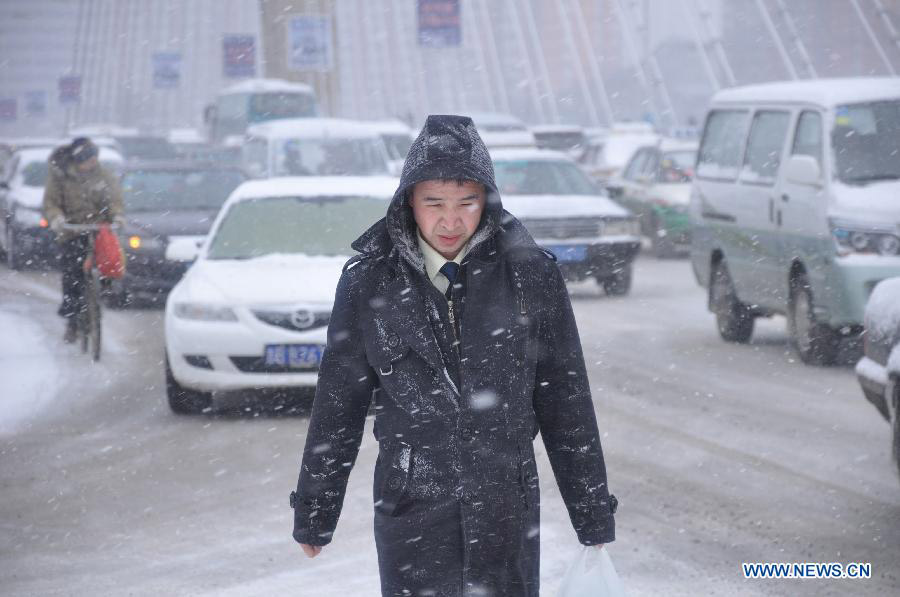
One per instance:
(591, 574)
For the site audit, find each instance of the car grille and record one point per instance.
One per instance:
(258, 365)
(298, 320)
(564, 228)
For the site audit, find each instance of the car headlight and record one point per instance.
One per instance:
(859, 238)
(26, 216)
(136, 242)
(204, 312)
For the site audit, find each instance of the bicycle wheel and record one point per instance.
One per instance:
(92, 305)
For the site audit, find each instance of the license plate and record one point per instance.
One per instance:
(569, 252)
(294, 356)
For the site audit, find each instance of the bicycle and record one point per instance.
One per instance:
(88, 319)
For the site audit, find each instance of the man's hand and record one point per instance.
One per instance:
(57, 223)
(311, 551)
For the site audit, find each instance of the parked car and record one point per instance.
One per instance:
(607, 152)
(502, 130)
(569, 139)
(26, 237)
(253, 310)
(568, 214)
(397, 138)
(130, 142)
(794, 206)
(656, 186)
(313, 147)
(165, 202)
(879, 369)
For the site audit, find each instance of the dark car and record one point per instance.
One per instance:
(879, 370)
(164, 202)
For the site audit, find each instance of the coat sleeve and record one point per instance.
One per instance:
(52, 197)
(116, 204)
(565, 415)
(344, 391)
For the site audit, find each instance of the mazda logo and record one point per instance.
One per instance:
(302, 319)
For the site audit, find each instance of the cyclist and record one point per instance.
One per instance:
(79, 191)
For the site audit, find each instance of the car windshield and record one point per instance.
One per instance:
(866, 142)
(542, 177)
(164, 190)
(146, 148)
(677, 166)
(397, 146)
(331, 157)
(35, 174)
(294, 225)
(271, 106)
(560, 141)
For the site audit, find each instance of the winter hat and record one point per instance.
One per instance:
(82, 149)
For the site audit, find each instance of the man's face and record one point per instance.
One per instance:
(447, 213)
(88, 165)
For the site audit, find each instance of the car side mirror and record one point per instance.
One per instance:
(804, 170)
(183, 249)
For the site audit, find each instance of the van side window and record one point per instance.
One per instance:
(636, 166)
(808, 137)
(722, 145)
(650, 171)
(764, 147)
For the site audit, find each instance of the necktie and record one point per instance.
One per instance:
(449, 269)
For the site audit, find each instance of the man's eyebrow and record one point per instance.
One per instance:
(471, 197)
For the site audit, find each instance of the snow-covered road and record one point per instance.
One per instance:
(719, 454)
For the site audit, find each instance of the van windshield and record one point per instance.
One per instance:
(866, 142)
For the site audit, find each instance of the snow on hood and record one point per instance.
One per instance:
(883, 309)
(562, 206)
(877, 202)
(272, 279)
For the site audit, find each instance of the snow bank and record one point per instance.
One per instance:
(28, 370)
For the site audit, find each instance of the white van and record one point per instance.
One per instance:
(795, 207)
(313, 147)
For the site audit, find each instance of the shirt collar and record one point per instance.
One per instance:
(434, 260)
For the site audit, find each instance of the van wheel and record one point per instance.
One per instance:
(733, 318)
(184, 401)
(815, 341)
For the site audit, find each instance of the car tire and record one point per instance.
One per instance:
(734, 319)
(815, 342)
(13, 257)
(618, 284)
(663, 248)
(183, 401)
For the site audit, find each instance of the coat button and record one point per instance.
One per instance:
(466, 435)
(393, 341)
(394, 483)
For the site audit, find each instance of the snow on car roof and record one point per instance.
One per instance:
(267, 86)
(389, 127)
(672, 144)
(493, 118)
(41, 154)
(822, 92)
(103, 130)
(312, 128)
(547, 129)
(316, 186)
(529, 154)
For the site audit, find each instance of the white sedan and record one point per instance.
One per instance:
(253, 310)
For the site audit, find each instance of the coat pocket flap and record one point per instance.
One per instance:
(382, 355)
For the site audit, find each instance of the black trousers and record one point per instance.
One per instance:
(73, 254)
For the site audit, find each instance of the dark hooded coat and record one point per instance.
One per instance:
(455, 493)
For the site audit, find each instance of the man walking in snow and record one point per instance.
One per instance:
(464, 327)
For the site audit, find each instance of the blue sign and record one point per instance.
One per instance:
(309, 43)
(70, 89)
(239, 56)
(166, 70)
(439, 24)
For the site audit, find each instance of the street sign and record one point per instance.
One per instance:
(310, 43)
(7, 109)
(439, 24)
(70, 89)
(239, 56)
(166, 70)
